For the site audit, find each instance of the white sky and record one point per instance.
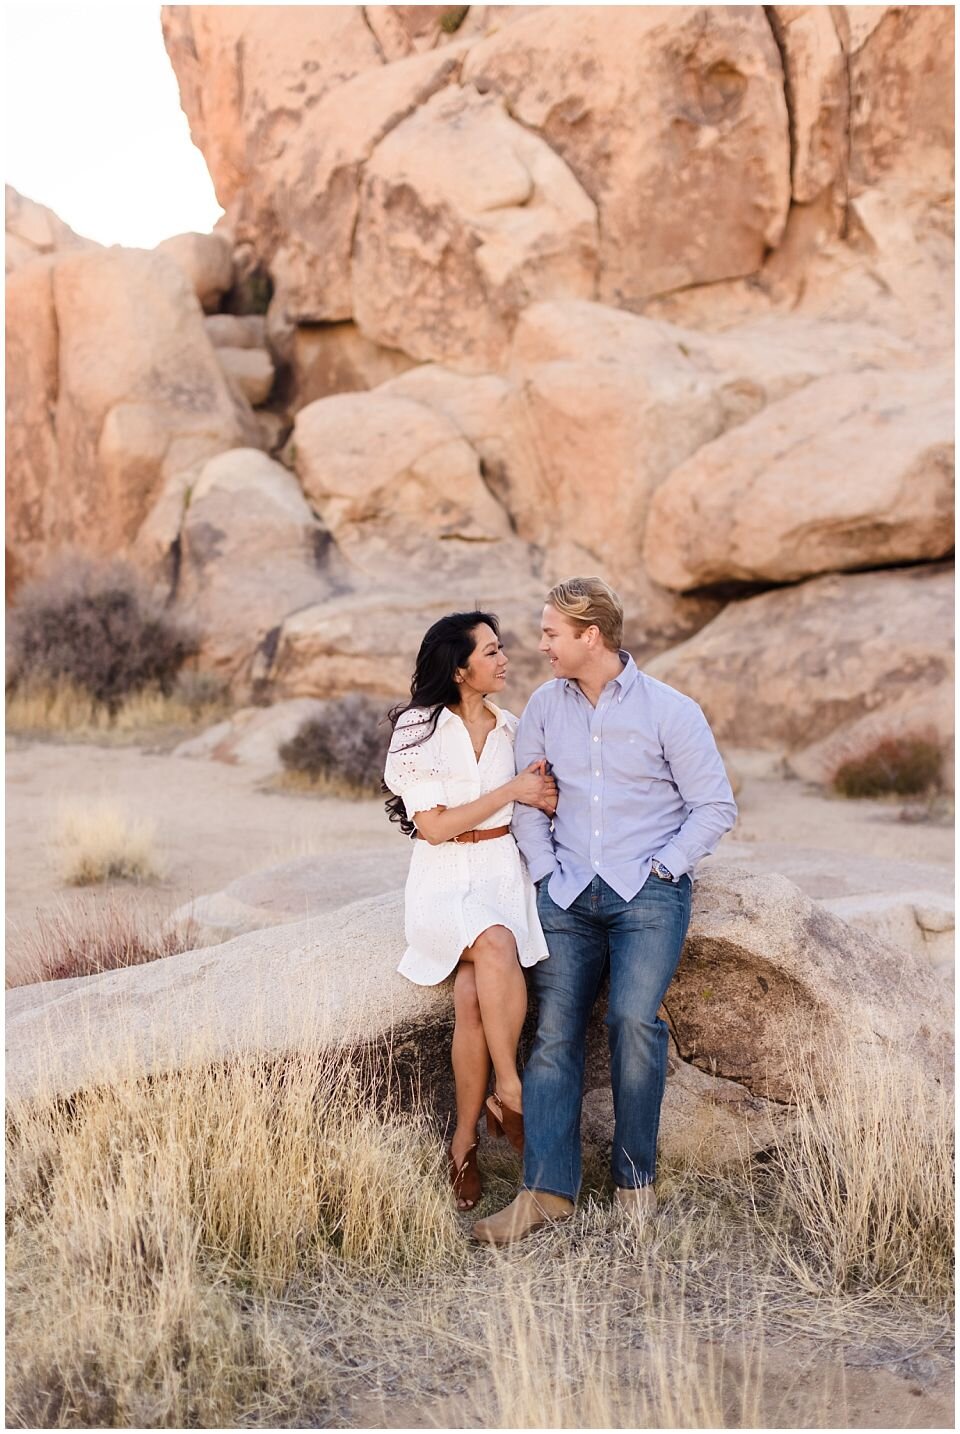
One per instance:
(94, 128)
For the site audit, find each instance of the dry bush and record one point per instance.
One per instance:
(860, 1196)
(101, 840)
(97, 626)
(344, 748)
(90, 937)
(63, 708)
(896, 766)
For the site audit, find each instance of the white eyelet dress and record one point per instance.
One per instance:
(455, 890)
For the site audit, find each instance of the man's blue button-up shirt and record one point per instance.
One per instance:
(639, 779)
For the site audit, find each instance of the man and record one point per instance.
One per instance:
(642, 797)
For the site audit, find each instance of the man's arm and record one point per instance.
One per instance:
(531, 827)
(697, 768)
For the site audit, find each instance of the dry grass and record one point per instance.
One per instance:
(63, 709)
(101, 840)
(91, 936)
(273, 1244)
(864, 1185)
(303, 784)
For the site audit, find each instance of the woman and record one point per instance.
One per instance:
(470, 905)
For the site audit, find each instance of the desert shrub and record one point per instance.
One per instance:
(95, 626)
(453, 18)
(60, 708)
(347, 745)
(99, 840)
(900, 766)
(96, 936)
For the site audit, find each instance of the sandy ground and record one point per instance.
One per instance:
(215, 822)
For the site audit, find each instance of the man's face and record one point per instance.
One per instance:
(562, 641)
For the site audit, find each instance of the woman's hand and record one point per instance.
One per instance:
(535, 787)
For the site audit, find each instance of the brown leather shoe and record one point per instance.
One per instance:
(530, 1210)
(639, 1205)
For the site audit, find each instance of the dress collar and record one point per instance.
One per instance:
(446, 715)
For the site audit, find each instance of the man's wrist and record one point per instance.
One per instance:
(662, 872)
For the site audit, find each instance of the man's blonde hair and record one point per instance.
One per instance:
(591, 601)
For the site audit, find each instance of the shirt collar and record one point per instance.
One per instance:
(624, 679)
(446, 715)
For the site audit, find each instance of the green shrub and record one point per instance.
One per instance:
(96, 626)
(346, 745)
(900, 766)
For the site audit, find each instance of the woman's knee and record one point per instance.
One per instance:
(495, 946)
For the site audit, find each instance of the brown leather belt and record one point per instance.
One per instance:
(482, 834)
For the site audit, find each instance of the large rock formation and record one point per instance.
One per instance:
(32, 230)
(854, 471)
(793, 667)
(768, 983)
(113, 389)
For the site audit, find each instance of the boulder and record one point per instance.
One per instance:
(770, 982)
(787, 668)
(673, 120)
(207, 261)
(307, 223)
(33, 230)
(393, 479)
(922, 922)
(403, 30)
(461, 206)
(251, 551)
(236, 331)
(325, 359)
(249, 75)
(901, 66)
(251, 736)
(817, 94)
(854, 471)
(249, 370)
(112, 390)
(767, 980)
(293, 890)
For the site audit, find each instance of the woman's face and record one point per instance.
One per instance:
(487, 669)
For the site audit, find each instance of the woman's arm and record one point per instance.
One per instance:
(441, 824)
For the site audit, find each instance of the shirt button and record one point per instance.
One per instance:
(596, 799)
(596, 739)
(596, 774)
(597, 832)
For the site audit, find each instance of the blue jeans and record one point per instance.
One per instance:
(642, 940)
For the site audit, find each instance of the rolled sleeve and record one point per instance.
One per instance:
(531, 826)
(702, 782)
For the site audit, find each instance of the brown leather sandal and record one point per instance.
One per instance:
(465, 1179)
(502, 1120)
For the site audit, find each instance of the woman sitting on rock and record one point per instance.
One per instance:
(470, 905)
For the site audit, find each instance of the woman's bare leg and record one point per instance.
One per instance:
(471, 1061)
(502, 994)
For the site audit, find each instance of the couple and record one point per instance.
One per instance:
(560, 842)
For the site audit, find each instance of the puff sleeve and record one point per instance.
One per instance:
(414, 770)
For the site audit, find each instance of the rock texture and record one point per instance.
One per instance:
(854, 471)
(32, 230)
(466, 213)
(207, 261)
(760, 960)
(845, 647)
(675, 122)
(113, 388)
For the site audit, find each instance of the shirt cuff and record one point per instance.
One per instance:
(673, 859)
(542, 866)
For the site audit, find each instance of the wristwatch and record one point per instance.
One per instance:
(661, 871)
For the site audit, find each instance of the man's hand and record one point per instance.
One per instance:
(546, 798)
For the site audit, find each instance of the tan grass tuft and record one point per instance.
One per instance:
(91, 935)
(63, 709)
(100, 840)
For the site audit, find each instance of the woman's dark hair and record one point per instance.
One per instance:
(446, 646)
